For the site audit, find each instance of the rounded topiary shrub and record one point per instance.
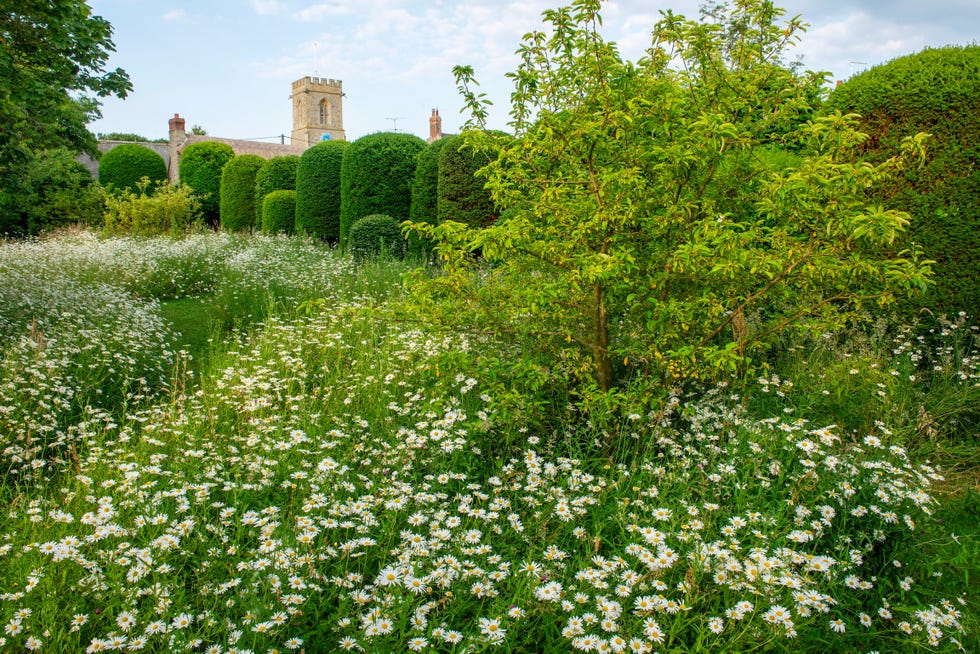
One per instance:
(462, 197)
(318, 190)
(237, 192)
(276, 174)
(935, 91)
(376, 235)
(376, 177)
(201, 165)
(125, 165)
(279, 212)
(425, 191)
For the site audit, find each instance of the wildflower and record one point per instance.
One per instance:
(491, 628)
(716, 625)
(838, 626)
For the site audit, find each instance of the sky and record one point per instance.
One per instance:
(227, 65)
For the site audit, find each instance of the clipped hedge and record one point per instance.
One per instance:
(425, 191)
(237, 192)
(462, 197)
(200, 168)
(279, 212)
(376, 177)
(276, 174)
(935, 91)
(376, 235)
(125, 165)
(318, 190)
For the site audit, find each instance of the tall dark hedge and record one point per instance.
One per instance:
(425, 190)
(124, 165)
(376, 177)
(462, 197)
(318, 190)
(276, 174)
(279, 212)
(200, 168)
(935, 91)
(237, 192)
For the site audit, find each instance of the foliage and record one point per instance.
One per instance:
(376, 177)
(127, 136)
(52, 55)
(462, 197)
(56, 191)
(197, 130)
(318, 190)
(166, 209)
(628, 241)
(276, 174)
(279, 212)
(122, 167)
(237, 192)
(425, 192)
(376, 235)
(935, 91)
(201, 165)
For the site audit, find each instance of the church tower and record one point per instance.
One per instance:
(318, 113)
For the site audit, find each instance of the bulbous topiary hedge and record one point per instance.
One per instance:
(376, 235)
(125, 165)
(425, 191)
(237, 192)
(935, 91)
(200, 168)
(376, 177)
(318, 190)
(276, 174)
(462, 197)
(279, 212)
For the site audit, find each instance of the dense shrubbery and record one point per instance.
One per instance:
(376, 235)
(462, 196)
(276, 174)
(376, 177)
(425, 191)
(125, 165)
(237, 192)
(935, 91)
(201, 165)
(279, 212)
(167, 209)
(318, 190)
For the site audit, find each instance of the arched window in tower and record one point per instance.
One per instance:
(324, 112)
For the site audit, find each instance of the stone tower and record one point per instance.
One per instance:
(318, 112)
(435, 126)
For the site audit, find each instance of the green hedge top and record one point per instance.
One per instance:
(125, 165)
(238, 192)
(461, 194)
(425, 185)
(318, 190)
(279, 212)
(200, 168)
(277, 174)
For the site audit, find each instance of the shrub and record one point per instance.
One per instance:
(237, 192)
(935, 91)
(461, 194)
(376, 235)
(279, 212)
(276, 174)
(376, 177)
(425, 191)
(200, 168)
(318, 190)
(125, 165)
(169, 209)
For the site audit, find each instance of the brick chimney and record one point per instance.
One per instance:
(435, 126)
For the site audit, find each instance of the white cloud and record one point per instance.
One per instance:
(267, 7)
(174, 14)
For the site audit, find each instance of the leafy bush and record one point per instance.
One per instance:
(237, 192)
(376, 177)
(318, 190)
(169, 209)
(935, 91)
(376, 235)
(279, 212)
(125, 165)
(425, 192)
(461, 194)
(201, 165)
(276, 174)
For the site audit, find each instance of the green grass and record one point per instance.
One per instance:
(193, 320)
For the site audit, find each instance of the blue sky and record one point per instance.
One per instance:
(227, 65)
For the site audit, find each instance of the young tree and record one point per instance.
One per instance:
(647, 221)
